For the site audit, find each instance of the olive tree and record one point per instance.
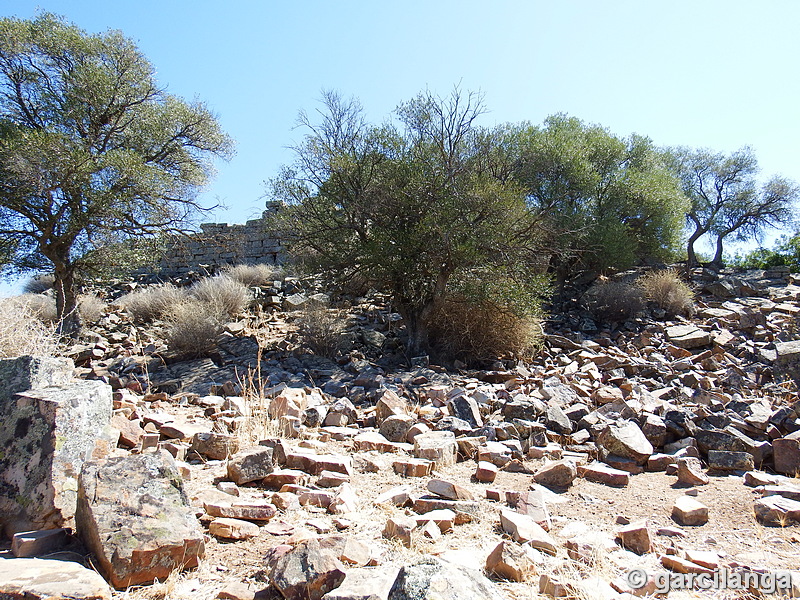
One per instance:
(91, 147)
(405, 205)
(608, 202)
(726, 199)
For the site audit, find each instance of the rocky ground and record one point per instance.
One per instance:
(670, 445)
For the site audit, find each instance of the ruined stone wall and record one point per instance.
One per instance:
(220, 244)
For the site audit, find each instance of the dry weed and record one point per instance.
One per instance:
(91, 308)
(252, 275)
(476, 331)
(614, 301)
(669, 291)
(321, 328)
(193, 328)
(152, 303)
(41, 306)
(226, 295)
(22, 332)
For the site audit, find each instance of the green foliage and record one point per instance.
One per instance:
(785, 253)
(408, 207)
(726, 199)
(607, 202)
(90, 148)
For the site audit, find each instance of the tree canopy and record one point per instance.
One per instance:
(608, 202)
(406, 205)
(91, 147)
(726, 199)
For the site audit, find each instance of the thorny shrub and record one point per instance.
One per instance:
(251, 275)
(193, 328)
(321, 328)
(480, 330)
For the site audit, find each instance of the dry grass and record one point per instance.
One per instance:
(91, 308)
(226, 295)
(251, 275)
(484, 330)
(152, 303)
(40, 306)
(321, 328)
(614, 301)
(669, 291)
(22, 332)
(193, 328)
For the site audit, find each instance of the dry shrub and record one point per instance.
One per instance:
(668, 291)
(193, 328)
(225, 295)
(38, 284)
(251, 275)
(321, 328)
(614, 301)
(22, 332)
(473, 331)
(152, 303)
(91, 308)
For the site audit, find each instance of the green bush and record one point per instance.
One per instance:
(785, 253)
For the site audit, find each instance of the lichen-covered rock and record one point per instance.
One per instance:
(432, 579)
(46, 436)
(306, 572)
(135, 517)
(250, 464)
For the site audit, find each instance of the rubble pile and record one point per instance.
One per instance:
(653, 444)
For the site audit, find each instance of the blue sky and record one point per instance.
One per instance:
(716, 74)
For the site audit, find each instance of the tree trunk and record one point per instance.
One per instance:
(690, 254)
(717, 261)
(416, 321)
(69, 320)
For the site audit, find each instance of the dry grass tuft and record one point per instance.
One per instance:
(22, 331)
(251, 275)
(321, 328)
(91, 308)
(193, 328)
(152, 303)
(484, 330)
(669, 291)
(614, 301)
(227, 296)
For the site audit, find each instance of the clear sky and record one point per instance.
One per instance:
(716, 74)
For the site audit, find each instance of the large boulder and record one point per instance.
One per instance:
(47, 435)
(133, 514)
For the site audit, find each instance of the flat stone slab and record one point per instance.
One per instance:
(42, 579)
(688, 336)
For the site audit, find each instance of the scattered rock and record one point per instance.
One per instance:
(232, 529)
(690, 471)
(42, 579)
(511, 561)
(635, 537)
(306, 572)
(557, 474)
(688, 511)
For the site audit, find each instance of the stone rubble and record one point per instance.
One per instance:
(694, 400)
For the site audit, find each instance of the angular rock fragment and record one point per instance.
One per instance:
(510, 561)
(557, 474)
(635, 537)
(524, 529)
(371, 583)
(306, 572)
(216, 446)
(690, 471)
(437, 446)
(604, 474)
(448, 490)
(401, 529)
(134, 516)
(688, 511)
(627, 440)
(232, 529)
(250, 464)
(777, 510)
(434, 579)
